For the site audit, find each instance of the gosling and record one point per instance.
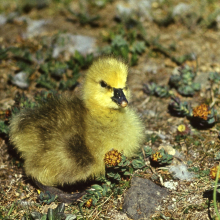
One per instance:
(64, 141)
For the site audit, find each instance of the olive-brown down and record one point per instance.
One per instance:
(65, 140)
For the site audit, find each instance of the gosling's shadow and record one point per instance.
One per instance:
(200, 124)
(209, 195)
(10, 148)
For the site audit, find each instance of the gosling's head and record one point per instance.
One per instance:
(106, 84)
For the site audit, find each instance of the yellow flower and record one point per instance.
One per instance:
(213, 172)
(88, 203)
(156, 156)
(112, 158)
(183, 129)
(202, 111)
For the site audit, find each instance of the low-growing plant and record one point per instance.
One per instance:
(178, 108)
(125, 43)
(52, 214)
(182, 82)
(160, 91)
(161, 157)
(201, 115)
(83, 17)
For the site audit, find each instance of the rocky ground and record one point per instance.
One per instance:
(38, 44)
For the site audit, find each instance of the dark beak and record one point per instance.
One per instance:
(119, 97)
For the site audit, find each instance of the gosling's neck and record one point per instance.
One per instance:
(105, 115)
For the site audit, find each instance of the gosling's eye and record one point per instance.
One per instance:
(103, 84)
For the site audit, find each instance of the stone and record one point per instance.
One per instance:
(181, 172)
(72, 43)
(20, 80)
(143, 198)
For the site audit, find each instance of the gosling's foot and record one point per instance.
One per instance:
(51, 193)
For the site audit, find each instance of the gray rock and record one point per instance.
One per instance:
(71, 43)
(3, 19)
(218, 21)
(141, 8)
(143, 198)
(36, 27)
(20, 80)
(181, 8)
(181, 172)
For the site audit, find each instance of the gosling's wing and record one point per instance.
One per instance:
(51, 141)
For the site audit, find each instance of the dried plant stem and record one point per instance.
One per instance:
(212, 96)
(214, 194)
(100, 205)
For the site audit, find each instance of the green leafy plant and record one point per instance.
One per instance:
(80, 60)
(3, 53)
(176, 107)
(84, 18)
(21, 101)
(56, 69)
(183, 81)
(214, 77)
(138, 47)
(125, 43)
(53, 214)
(3, 127)
(120, 47)
(96, 192)
(161, 157)
(46, 197)
(217, 155)
(45, 82)
(154, 89)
